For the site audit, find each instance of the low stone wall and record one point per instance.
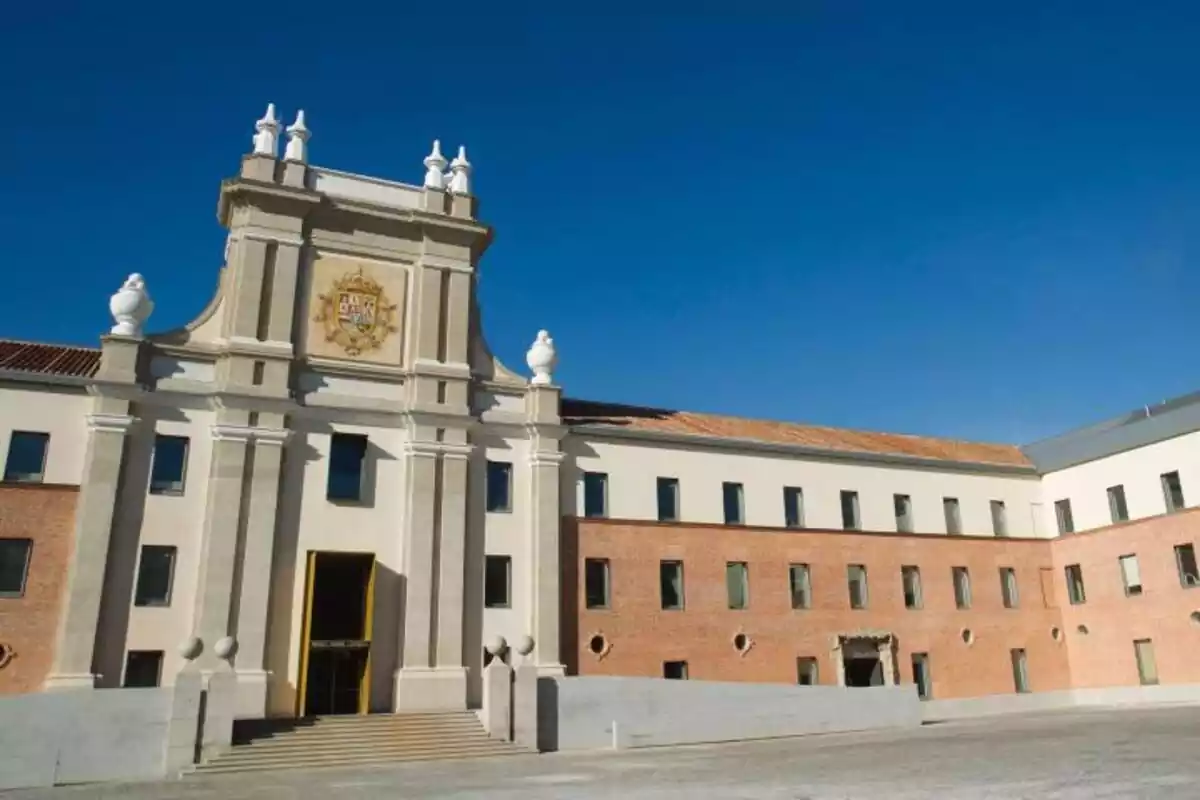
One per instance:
(585, 713)
(991, 705)
(82, 736)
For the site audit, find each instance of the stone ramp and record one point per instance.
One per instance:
(352, 741)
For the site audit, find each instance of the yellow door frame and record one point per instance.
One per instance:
(306, 635)
(364, 684)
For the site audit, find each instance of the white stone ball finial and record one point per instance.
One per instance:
(435, 167)
(496, 646)
(542, 359)
(266, 135)
(460, 173)
(524, 645)
(130, 306)
(225, 647)
(298, 136)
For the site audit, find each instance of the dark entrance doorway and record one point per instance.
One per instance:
(864, 671)
(335, 655)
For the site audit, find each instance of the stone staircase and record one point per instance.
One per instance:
(352, 741)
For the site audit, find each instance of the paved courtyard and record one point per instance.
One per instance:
(1096, 754)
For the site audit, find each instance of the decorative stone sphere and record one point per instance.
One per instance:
(497, 646)
(225, 647)
(525, 645)
(131, 306)
(542, 358)
(190, 648)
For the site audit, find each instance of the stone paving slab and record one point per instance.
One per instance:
(1095, 755)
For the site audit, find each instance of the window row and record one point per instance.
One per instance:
(1131, 574)
(1118, 509)
(595, 504)
(597, 588)
(26, 460)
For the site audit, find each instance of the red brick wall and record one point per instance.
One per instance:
(45, 514)
(642, 635)
(1162, 613)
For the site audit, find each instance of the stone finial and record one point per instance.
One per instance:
(524, 645)
(130, 306)
(190, 648)
(435, 167)
(266, 137)
(460, 170)
(298, 136)
(225, 647)
(542, 358)
(496, 646)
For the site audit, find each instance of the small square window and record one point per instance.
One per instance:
(1008, 587)
(499, 486)
(737, 585)
(675, 670)
(999, 518)
(497, 582)
(14, 566)
(169, 467)
(850, 519)
(1185, 561)
(921, 675)
(156, 574)
(910, 578)
(347, 459)
(26, 461)
(1131, 575)
(1173, 492)
(903, 509)
(801, 585)
(951, 512)
(962, 587)
(806, 671)
(1075, 591)
(596, 582)
(143, 669)
(1117, 508)
(595, 494)
(793, 507)
(731, 497)
(668, 499)
(670, 582)
(856, 578)
(1064, 517)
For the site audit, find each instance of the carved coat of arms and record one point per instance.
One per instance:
(356, 313)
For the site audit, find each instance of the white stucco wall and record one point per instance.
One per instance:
(1138, 470)
(633, 468)
(60, 412)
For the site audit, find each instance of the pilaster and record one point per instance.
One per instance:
(545, 458)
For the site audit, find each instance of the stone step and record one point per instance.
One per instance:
(222, 766)
(351, 743)
(465, 727)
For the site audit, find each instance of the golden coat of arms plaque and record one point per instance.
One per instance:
(356, 313)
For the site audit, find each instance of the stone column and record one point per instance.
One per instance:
(545, 431)
(75, 641)
(218, 551)
(258, 552)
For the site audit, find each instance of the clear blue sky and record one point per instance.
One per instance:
(969, 219)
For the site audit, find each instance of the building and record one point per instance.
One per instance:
(327, 481)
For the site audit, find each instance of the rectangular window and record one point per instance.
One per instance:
(1020, 667)
(1062, 513)
(143, 669)
(999, 518)
(731, 495)
(910, 577)
(903, 508)
(670, 584)
(169, 466)
(850, 520)
(1117, 509)
(596, 586)
(499, 486)
(1172, 492)
(1075, 591)
(156, 574)
(668, 499)
(793, 507)
(1046, 581)
(675, 670)
(737, 585)
(1131, 575)
(962, 587)
(1008, 587)
(26, 462)
(801, 584)
(497, 582)
(951, 512)
(14, 566)
(921, 676)
(595, 494)
(1143, 651)
(806, 671)
(856, 578)
(347, 458)
(1185, 560)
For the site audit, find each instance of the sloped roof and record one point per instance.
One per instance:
(49, 359)
(841, 440)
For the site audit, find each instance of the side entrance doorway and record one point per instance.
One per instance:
(335, 643)
(866, 658)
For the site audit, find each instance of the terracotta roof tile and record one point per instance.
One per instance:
(49, 359)
(583, 412)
